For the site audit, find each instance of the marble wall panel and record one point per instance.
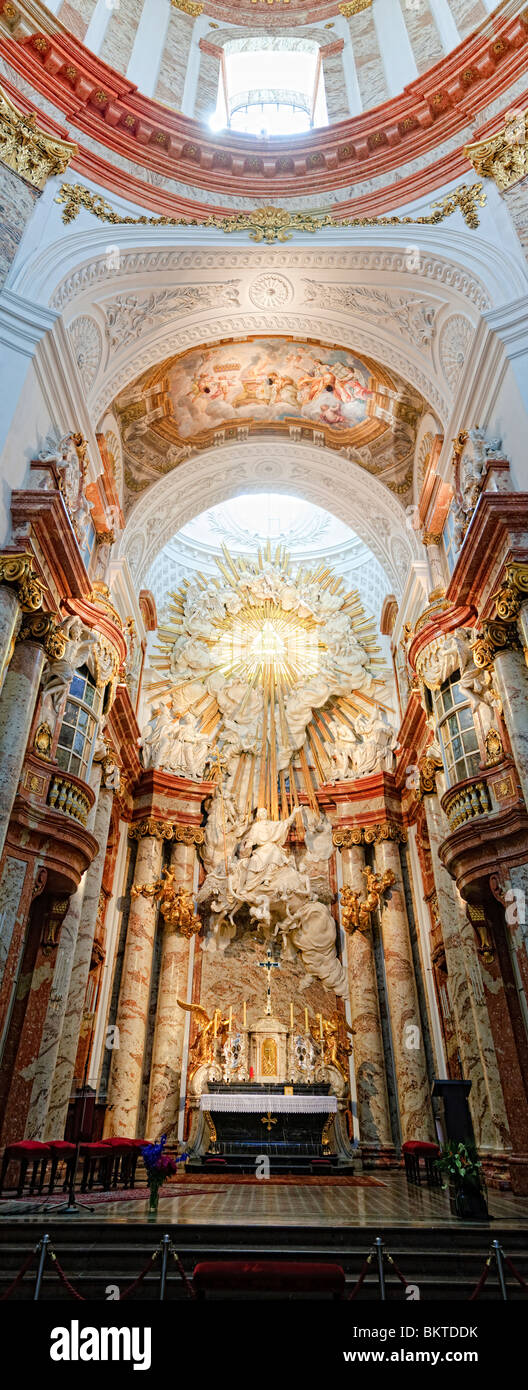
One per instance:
(367, 57)
(171, 80)
(121, 32)
(425, 40)
(17, 200)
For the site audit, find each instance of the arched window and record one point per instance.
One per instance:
(456, 732)
(79, 725)
(269, 87)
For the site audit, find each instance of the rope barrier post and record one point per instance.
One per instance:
(497, 1251)
(165, 1247)
(43, 1247)
(381, 1273)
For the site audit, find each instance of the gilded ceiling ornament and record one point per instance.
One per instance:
(19, 571)
(351, 7)
(28, 151)
(190, 7)
(167, 830)
(502, 157)
(271, 224)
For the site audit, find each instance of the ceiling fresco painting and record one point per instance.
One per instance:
(300, 389)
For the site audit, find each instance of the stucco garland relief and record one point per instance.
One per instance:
(414, 316)
(372, 261)
(130, 316)
(454, 343)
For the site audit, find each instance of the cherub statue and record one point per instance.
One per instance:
(210, 1031)
(336, 1045)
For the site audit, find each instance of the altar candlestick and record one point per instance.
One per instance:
(320, 1017)
(306, 1020)
(230, 1017)
(291, 1015)
(215, 1022)
(244, 1018)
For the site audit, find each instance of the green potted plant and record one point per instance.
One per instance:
(461, 1166)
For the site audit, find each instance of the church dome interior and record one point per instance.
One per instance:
(263, 635)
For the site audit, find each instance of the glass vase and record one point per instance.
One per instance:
(154, 1191)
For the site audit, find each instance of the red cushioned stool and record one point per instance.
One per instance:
(413, 1150)
(61, 1152)
(97, 1158)
(268, 1276)
(119, 1152)
(24, 1152)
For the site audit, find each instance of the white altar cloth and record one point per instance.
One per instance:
(244, 1102)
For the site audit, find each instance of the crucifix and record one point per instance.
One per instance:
(269, 964)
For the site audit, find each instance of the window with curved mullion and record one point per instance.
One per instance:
(79, 725)
(457, 735)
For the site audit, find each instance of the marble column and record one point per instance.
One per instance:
(65, 1065)
(369, 1056)
(511, 682)
(408, 1046)
(147, 51)
(443, 18)
(165, 1076)
(96, 32)
(477, 1052)
(398, 59)
(126, 1073)
(17, 706)
(36, 1123)
(9, 615)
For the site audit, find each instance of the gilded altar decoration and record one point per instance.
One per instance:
(502, 157)
(19, 570)
(334, 1042)
(274, 224)
(210, 1036)
(175, 903)
(356, 913)
(27, 150)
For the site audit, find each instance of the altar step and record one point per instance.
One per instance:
(445, 1263)
(299, 1165)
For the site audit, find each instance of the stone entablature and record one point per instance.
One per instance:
(106, 105)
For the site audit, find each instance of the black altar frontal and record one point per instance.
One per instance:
(287, 1123)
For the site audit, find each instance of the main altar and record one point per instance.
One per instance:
(289, 1125)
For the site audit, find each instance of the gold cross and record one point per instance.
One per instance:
(268, 1120)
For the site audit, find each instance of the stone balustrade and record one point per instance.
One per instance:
(66, 795)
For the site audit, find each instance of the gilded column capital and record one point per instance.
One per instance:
(42, 628)
(495, 637)
(512, 593)
(167, 830)
(19, 571)
(347, 835)
(502, 157)
(27, 150)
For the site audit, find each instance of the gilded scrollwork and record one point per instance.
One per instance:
(356, 912)
(19, 570)
(167, 830)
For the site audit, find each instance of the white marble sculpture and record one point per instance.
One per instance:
(58, 674)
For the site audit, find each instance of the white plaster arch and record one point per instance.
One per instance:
(317, 474)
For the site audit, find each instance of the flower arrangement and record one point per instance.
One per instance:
(159, 1166)
(462, 1167)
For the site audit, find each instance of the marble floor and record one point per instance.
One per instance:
(393, 1202)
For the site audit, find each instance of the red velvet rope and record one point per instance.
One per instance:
(64, 1280)
(397, 1271)
(187, 1282)
(479, 1287)
(140, 1278)
(515, 1272)
(361, 1278)
(22, 1271)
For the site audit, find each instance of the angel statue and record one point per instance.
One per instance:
(58, 674)
(336, 1046)
(209, 1030)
